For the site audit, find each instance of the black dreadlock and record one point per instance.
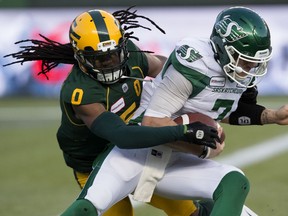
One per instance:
(128, 20)
(53, 53)
(50, 52)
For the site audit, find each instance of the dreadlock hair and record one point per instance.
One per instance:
(53, 53)
(128, 20)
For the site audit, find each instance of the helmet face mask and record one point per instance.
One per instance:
(241, 41)
(243, 68)
(106, 67)
(99, 46)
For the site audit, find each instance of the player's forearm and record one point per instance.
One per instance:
(109, 126)
(268, 116)
(279, 116)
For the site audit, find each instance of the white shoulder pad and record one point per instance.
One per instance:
(196, 54)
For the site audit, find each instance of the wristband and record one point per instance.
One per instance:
(205, 153)
(247, 114)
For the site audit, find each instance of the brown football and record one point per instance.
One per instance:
(194, 117)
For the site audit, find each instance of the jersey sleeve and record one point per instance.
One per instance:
(191, 72)
(109, 126)
(170, 96)
(180, 80)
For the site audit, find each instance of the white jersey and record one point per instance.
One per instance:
(192, 81)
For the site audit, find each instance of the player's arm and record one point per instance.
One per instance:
(254, 114)
(177, 145)
(88, 112)
(249, 112)
(111, 127)
(275, 116)
(155, 64)
(168, 98)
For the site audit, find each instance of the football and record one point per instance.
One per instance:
(194, 117)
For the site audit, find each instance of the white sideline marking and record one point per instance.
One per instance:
(256, 153)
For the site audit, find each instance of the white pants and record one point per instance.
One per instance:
(186, 177)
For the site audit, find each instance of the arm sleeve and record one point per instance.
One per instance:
(249, 96)
(170, 96)
(246, 114)
(248, 111)
(111, 127)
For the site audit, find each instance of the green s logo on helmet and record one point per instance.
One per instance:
(241, 35)
(230, 30)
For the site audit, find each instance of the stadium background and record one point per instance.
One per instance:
(28, 19)
(34, 178)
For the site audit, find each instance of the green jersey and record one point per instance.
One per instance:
(79, 145)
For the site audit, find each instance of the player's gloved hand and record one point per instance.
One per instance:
(201, 134)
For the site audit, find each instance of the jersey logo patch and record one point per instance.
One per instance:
(217, 81)
(125, 87)
(118, 105)
(188, 53)
(230, 30)
(244, 120)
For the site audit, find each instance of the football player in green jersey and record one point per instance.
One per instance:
(104, 84)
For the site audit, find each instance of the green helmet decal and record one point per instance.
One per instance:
(230, 30)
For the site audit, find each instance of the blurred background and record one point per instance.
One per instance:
(26, 19)
(34, 178)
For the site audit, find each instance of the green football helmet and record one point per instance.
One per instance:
(241, 35)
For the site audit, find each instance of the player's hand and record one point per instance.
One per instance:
(201, 134)
(281, 115)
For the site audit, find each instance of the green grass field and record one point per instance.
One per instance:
(35, 180)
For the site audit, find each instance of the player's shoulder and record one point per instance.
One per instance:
(131, 45)
(194, 54)
(137, 61)
(193, 48)
(81, 88)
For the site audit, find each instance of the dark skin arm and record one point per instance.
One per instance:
(155, 63)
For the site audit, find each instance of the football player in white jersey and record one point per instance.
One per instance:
(216, 77)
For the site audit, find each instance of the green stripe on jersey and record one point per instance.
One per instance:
(198, 80)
